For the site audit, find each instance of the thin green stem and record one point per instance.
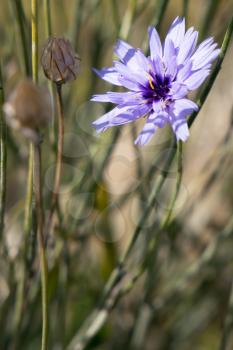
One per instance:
(3, 159)
(20, 295)
(75, 29)
(168, 216)
(128, 19)
(38, 190)
(34, 24)
(185, 9)
(20, 16)
(47, 16)
(157, 19)
(58, 169)
(211, 10)
(42, 249)
(115, 14)
(228, 325)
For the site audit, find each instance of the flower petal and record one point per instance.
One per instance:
(133, 58)
(154, 43)
(154, 121)
(196, 79)
(176, 31)
(108, 74)
(132, 79)
(187, 47)
(205, 54)
(103, 123)
(184, 107)
(146, 134)
(180, 128)
(119, 97)
(169, 57)
(124, 51)
(131, 114)
(178, 90)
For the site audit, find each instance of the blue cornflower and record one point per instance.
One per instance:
(159, 83)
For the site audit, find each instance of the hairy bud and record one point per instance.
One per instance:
(28, 108)
(59, 61)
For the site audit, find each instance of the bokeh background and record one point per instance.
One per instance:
(181, 300)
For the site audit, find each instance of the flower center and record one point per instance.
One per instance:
(157, 88)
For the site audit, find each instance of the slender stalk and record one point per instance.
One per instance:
(78, 16)
(228, 323)
(112, 289)
(167, 218)
(3, 159)
(58, 169)
(38, 190)
(41, 242)
(115, 14)
(185, 9)
(211, 10)
(47, 16)
(128, 18)
(34, 24)
(157, 19)
(28, 210)
(20, 16)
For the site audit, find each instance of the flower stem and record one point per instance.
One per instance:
(167, 218)
(47, 16)
(20, 16)
(57, 180)
(128, 19)
(41, 241)
(38, 189)
(208, 18)
(3, 159)
(185, 9)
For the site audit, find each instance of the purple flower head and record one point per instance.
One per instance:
(158, 84)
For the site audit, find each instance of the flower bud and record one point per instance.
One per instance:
(59, 61)
(28, 108)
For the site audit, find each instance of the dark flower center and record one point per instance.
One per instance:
(157, 88)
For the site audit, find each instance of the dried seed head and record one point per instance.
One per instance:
(28, 108)
(59, 61)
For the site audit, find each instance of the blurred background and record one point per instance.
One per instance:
(175, 298)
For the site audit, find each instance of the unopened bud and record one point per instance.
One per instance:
(59, 61)
(28, 108)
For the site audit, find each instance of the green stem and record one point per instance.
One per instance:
(47, 16)
(167, 218)
(78, 16)
(38, 189)
(42, 249)
(228, 323)
(20, 16)
(157, 19)
(3, 159)
(34, 24)
(208, 18)
(115, 14)
(128, 19)
(58, 169)
(185, 9)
